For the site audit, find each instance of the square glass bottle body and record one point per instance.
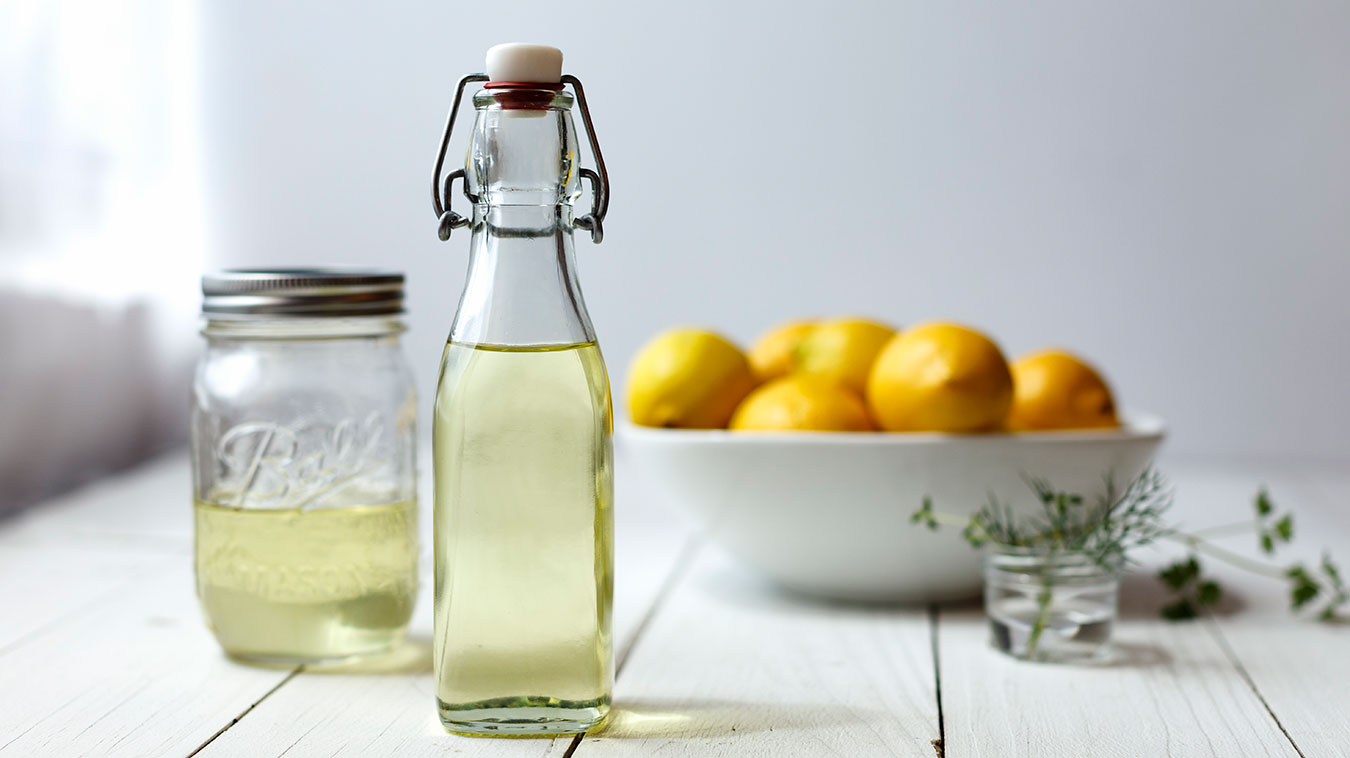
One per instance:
(524, 526)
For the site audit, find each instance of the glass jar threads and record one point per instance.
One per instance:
(303, 454)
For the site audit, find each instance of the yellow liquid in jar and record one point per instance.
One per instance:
(290, 586)
(524, 540)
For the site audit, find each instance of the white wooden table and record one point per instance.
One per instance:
(103, 652)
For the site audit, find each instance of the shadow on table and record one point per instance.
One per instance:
(1134, 655)
(1142, 597)
(412, 657)
(714, 719)
(735, 586)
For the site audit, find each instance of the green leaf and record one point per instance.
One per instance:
(1172, 576)
(1181, 610)
(1267, 543)
(1330, 570)
(974, 534)
(1263, 504)
(1302, 593)
(1209, 593)
(925, 514)
(1285, 527)
(1180, 574)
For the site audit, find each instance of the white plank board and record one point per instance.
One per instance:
(41, 586)
(1178, 691)
(1300, 670)
(134, 675)
(102, 651)
(730, 667)
(1298, 666)
(1175, 694)
(393, 712)
(145, 509)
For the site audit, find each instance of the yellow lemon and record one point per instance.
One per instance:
(802, 403)
(687, 378)
(1053, 389)
(772, 355)
(842, 350)
(940, 377)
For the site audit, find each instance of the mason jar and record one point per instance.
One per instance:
(303, 461)
(1056, 607)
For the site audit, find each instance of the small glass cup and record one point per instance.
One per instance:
(1052, 607)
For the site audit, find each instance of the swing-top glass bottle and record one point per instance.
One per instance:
(523, 425)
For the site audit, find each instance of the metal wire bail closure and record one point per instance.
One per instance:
(441, 187)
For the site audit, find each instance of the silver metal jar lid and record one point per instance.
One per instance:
(302, 292)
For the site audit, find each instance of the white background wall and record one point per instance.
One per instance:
(100, 236)
(1163, 186)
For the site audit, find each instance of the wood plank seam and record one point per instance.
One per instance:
(1228, 651)
(692, 544)
(293, 673)
(32, 726)
(110, 711)
(934, 618)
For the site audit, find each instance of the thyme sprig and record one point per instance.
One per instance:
(1193, 592)
(1107, 530)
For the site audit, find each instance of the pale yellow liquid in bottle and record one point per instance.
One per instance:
(292, 585)
(524, 539)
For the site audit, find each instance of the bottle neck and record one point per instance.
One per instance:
(523, 150)
(522, 286)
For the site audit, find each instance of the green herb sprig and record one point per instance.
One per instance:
(1108, 529)
(1193, 592)
(1105, 531)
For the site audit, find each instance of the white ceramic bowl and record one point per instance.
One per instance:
(828, 514)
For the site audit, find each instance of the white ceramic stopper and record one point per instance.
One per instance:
(523, 62)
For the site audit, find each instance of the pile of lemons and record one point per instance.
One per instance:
(853, 375)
